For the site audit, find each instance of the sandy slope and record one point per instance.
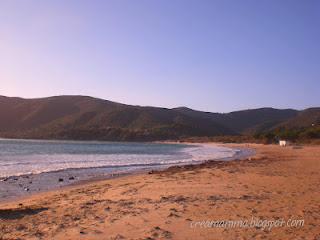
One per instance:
(279, 183)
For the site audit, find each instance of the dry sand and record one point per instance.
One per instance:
(278, 183)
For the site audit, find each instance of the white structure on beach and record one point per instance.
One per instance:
(283, 143)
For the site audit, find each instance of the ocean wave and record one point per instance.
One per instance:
(14, 165)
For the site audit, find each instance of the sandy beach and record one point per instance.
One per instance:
(159, 120)
(19, 182)
(278, 186)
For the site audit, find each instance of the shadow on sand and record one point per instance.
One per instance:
(17, 213)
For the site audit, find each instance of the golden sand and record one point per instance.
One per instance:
(277, 184)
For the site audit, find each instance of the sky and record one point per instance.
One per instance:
(215, 55)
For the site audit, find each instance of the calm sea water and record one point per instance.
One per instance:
(18, 157)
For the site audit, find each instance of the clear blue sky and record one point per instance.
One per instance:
(208, 55)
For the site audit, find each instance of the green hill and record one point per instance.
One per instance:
(88, 118)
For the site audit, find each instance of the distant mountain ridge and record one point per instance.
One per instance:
(88, 118)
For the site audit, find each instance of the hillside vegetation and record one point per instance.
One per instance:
(87, 118)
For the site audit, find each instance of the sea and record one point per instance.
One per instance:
(22, 157)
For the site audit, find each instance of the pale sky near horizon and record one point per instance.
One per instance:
(215, 55)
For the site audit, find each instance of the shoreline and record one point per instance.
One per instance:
(276, 183)
(15, 188)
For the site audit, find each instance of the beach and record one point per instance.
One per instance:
(34, 166)
(159, 120)
(276, 191)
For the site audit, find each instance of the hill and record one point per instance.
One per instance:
(88, 118)
(82, 117)
(304, 126)
(245, 121)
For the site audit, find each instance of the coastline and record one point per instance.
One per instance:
(276, 183)
(14, 188)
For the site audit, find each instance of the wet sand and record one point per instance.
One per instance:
(277, 183)
(15, 187)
